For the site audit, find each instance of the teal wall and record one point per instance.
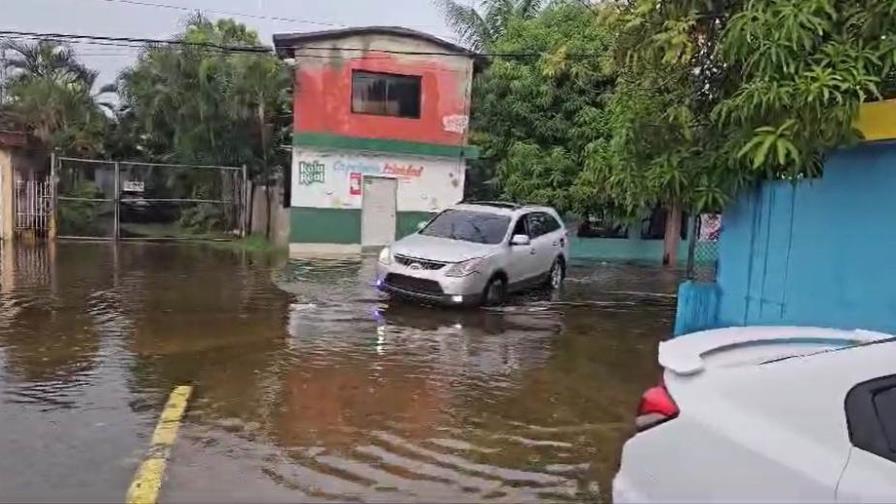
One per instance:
(818, 252)
(622, 249)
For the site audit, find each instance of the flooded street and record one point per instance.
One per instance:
(308, 384)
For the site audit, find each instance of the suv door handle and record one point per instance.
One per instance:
(531, 251)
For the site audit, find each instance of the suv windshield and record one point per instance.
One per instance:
(466, 225)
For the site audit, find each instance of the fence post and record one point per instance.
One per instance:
(116, 201)
(51, 231)
(244, 215)
(694, 235)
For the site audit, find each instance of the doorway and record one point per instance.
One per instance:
(378, 211)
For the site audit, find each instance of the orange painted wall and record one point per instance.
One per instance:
(322, 102)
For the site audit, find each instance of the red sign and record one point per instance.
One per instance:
(354, 186)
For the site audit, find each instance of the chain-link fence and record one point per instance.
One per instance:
(703, 251)
(132, 200)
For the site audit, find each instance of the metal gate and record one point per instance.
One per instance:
(97, 199)
(33, 206)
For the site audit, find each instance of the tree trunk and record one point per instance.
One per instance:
(672, 237)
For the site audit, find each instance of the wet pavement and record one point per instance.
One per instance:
(310, 385)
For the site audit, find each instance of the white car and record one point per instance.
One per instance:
(783, 414)
(477, 253)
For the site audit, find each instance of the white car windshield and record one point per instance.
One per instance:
(467, 225)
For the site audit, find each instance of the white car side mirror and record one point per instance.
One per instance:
(421, 225)
(520, 240)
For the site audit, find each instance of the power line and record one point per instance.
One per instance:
(100, 39)
(281, 19)
(129, 42)
(224, 13)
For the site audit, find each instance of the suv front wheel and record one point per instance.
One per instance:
(495, 292)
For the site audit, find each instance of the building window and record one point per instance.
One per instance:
(386, 94)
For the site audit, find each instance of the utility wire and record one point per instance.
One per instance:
(131, 40)
(237, 14)
(224, 13)
(138, 43)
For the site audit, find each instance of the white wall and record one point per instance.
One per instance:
(322, 179)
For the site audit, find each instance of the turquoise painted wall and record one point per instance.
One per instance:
(819, 252)
(621, 249)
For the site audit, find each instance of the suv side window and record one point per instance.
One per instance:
(551, 223)
(521, 228)
(541, 223)
(871, 416)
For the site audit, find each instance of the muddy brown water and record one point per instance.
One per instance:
(310, 385)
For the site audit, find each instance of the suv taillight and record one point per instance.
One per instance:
(656, 407)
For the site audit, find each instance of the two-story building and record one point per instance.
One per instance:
(381, 117)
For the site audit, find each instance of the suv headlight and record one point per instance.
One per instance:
(464, 268)
(385, 256)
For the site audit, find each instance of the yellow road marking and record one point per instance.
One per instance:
(148, 479)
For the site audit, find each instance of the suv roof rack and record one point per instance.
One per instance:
(498, 204)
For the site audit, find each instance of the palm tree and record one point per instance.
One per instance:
(52, 94)
(45, 59)
(478, 28)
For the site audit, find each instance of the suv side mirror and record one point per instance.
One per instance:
(421, 225)
(520, 240)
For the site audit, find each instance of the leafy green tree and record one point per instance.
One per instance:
(479, 27)
(194, 104)
(536, 116)
(52, 94)
(806, 66)
(716, 94)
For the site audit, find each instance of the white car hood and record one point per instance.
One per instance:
(440, 249)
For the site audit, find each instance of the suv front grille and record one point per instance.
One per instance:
(413, 284)
(424, 263)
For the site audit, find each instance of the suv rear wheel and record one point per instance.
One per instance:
(556, 275)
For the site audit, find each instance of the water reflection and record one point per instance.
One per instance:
(310, 385)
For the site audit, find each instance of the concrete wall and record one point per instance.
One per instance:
(324, 89)
(819, 252)
(622, 249)
(280, 218)
(7, 194)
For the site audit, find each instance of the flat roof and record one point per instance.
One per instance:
(284, 42)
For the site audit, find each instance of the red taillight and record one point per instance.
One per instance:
(656, 407)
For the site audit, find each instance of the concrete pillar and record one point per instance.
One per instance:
(7, 196)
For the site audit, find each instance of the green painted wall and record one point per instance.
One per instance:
(329, 141)
(342, 226)
(406, 222)
(324, 225)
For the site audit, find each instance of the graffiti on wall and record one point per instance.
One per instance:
(455, 123)
(313, 172)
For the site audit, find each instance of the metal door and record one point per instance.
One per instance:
(522, 264)
(378, 211)
(544, 240)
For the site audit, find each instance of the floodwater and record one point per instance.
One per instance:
(310, 385)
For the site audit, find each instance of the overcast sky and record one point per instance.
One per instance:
(123, 19)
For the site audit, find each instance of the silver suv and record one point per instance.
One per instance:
(476, 253)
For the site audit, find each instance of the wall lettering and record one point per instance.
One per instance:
(311, 172)
(402, 171)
